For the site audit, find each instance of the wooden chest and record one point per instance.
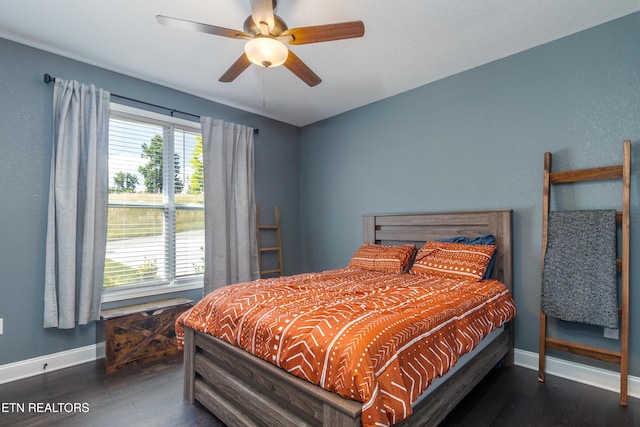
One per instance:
(141, 333)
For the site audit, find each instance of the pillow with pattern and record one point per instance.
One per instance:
(392, 259)
(485, 239)
(455, 260)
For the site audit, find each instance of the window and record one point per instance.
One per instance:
(155, 231)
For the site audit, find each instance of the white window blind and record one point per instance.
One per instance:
(155, 232)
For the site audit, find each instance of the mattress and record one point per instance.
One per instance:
(375, 337)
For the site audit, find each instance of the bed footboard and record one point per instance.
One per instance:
(243, 390)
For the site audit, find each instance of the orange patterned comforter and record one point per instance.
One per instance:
(378, 338)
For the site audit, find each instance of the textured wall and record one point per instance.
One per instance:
(472, 141)
(25, 149)
(476, 140)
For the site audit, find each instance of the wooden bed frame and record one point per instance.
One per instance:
(243, 390)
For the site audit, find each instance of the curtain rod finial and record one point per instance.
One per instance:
(48, 78)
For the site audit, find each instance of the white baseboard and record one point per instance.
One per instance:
(601, 378)
(597, 377)
(50, 362)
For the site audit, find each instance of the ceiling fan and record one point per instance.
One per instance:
(267, 36)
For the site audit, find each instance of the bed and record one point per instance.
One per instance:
(242, 389)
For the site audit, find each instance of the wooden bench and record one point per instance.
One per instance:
(140, 333)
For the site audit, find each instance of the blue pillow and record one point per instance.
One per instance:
(485, 239)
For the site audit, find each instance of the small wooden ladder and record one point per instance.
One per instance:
(276, 249)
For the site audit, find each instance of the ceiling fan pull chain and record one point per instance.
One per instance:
(263, 89)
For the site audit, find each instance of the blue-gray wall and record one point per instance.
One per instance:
(472, 141)
(476, 141)
(25, 152)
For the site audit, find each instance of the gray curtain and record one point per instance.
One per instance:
(231, 248)
(77, 218)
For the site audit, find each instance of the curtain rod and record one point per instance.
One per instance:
(48, 78)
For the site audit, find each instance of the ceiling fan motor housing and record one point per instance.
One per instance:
(279, 26)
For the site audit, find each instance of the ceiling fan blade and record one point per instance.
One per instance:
(234, 71)
(300, 69)
(262, 12)
(202, 28)
(325, 33)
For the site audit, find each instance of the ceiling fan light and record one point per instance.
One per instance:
(266, 52)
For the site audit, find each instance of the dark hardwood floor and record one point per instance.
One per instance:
(151, 395)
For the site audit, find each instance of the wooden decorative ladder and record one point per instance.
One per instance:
(621, 357)
(273, 249)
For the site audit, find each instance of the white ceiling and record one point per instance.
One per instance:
(407, 43)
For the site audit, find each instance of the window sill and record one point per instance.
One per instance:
(141, 292)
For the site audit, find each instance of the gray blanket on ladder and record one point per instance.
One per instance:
(579, 280)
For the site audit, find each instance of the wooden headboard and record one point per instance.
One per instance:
(419, 227)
